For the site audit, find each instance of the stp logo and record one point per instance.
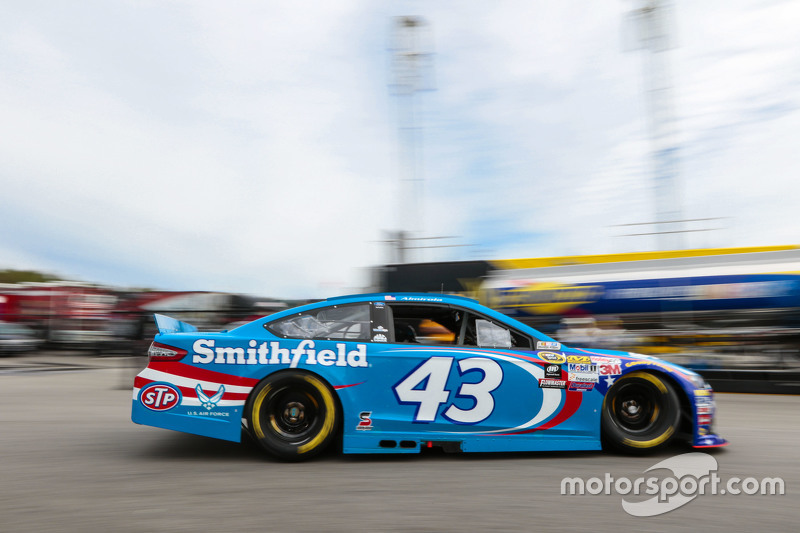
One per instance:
(159, 396)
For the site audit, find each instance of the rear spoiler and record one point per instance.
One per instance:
(167, 324)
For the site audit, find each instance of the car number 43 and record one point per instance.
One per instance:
(426, 387)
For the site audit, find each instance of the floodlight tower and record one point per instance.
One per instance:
(653, 25)
(411, 73)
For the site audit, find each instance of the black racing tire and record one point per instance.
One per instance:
(641, 413)
(293, 415)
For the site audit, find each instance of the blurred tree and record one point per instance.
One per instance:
(19, 276)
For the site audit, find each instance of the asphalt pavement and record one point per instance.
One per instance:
(71, 460)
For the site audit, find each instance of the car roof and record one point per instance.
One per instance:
(391, 297)
(404, 297)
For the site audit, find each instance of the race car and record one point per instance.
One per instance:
(397, 373)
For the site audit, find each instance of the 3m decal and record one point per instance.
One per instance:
(426, 387)
(609, 369)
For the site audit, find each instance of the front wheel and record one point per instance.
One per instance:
(293, 415)
(641, 413)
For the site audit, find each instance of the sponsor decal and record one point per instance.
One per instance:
(209, 402)
(583, 372)
(553, 383)
(552, 371)
(651, 363)
(365, 421)
(586, 378)
(159, 396)
(548, 345)
(272, 353)
(415, 299)
(579, 359)
(704, 409)
(702, 431)
(380, 329)
(581, 386)
(379, 305)
(582, 367)
(390, 298)
(702, 392)
(601, 360)
(380, 337)
(552, 357)
(704, 420)
(609, 369)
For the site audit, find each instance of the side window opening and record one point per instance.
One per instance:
(426, 324)
(345, 322)
(433, 324)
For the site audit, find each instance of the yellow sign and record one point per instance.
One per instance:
(544, 298)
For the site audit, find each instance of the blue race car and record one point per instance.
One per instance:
(395, 373)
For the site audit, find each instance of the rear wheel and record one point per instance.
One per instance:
(293, 415)
(641, 413)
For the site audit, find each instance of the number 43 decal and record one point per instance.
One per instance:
(425, 386)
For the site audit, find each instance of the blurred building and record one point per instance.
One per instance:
(731, 307)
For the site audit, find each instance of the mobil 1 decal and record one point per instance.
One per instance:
(495, 393)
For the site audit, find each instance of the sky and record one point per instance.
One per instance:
(255, 146)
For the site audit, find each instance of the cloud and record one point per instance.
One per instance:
(252, 147)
